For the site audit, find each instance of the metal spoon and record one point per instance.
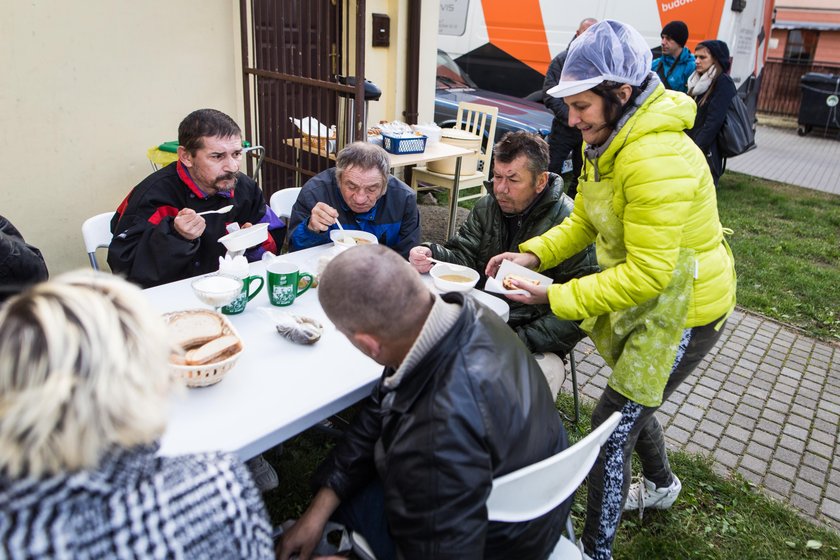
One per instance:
(222, 210)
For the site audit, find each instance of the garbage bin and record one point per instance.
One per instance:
(818, 106)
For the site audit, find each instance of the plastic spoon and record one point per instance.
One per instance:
(346, 238)
(222, 210)
(453, 265)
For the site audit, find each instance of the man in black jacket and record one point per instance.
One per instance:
(563, 138)
(461, 402)
(159, 236)
(21, 264)
(523, 201)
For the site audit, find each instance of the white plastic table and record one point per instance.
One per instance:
(277, 389)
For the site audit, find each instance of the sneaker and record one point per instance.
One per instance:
(645, 495)
(554, 370)
(583, 553)
(264, 475)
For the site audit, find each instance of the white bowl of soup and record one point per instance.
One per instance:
(345, 238)
(453, 277)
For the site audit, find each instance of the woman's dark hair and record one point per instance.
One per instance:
(205, 123)
(613, 109)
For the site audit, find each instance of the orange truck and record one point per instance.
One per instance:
(506, 45)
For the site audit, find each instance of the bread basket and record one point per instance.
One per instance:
(205, 375)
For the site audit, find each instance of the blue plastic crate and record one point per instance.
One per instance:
(404, 145)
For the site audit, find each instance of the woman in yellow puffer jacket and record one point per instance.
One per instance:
(647, 199)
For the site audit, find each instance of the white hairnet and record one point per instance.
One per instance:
(609, 50)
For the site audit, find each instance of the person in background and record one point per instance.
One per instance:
(359, 193)
(713, 90)
(676, 63)
(21, 264)
(84, 390)
(667, 284)
(563, 138)
(523, 200)
(460, 402)
(159, 236)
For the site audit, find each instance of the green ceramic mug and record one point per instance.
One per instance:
(246, 295)
(284, 279)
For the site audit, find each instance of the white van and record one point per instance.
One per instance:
(506, 45)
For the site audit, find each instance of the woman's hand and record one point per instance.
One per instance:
(528, 260)
(536, 294)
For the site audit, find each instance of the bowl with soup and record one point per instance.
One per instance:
(453, 277)
(346, 238)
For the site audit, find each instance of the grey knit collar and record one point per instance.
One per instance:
(441, 318)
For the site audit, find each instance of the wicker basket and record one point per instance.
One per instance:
(205, 375)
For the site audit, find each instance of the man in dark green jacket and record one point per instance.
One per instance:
(524, 200)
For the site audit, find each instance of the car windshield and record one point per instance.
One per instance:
(450, 75)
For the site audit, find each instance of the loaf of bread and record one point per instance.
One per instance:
(213, 351)
(193, 329)
(506, 283)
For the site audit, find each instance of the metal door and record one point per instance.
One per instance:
(292, 51)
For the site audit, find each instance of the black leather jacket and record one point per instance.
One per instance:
(473, 409)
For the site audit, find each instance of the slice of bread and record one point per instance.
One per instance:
(506, 283)
(195, 328)
(213, 351)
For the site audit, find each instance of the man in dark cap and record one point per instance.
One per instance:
(676, 63)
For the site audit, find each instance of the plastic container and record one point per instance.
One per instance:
(819, 104)
(404, 145)
(462, 139)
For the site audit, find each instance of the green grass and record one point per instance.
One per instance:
(716, 518)
(786, 243)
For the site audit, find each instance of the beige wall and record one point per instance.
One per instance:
(86, 88)
(386, 66)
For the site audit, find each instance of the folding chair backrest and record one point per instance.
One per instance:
(535, 490)
(96, 232)
(479, 120)
(283, 200)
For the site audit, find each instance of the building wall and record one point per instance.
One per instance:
(87, 88)
(828, 47)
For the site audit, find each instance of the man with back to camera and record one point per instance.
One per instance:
(563, 138)
(159, 236)
(361, 194)
(451, 412)
(676, 63)
(523, 200)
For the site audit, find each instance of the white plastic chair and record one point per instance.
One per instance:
(282, 201)
(535, 490)
(481, 121)
(96, 232)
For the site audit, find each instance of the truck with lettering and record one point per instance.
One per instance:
(506, 46)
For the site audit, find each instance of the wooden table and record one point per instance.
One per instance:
(433, 152)
(277, 389)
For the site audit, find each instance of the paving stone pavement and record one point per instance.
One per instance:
(764, 403)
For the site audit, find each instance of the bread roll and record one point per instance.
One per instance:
(506, 283)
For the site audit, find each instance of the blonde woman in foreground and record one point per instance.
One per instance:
(84, 389)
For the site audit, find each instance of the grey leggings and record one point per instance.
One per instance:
(638, 430)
